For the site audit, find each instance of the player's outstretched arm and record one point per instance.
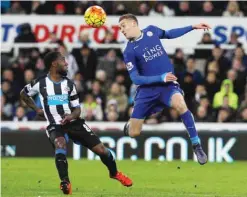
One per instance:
(175, 33)
(145, 80)
(203, 26)
(30, 102)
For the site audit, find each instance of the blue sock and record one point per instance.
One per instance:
(189, 123)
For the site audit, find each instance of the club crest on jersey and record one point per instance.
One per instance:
(149, 33)
(66, 89)
(129, 66)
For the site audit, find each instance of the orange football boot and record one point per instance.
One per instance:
(66, 187)
(123, 179)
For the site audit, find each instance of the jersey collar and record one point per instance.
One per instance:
(139, 38)
(48, 75)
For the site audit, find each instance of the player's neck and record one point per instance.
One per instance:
(138, 34)
(55, 76)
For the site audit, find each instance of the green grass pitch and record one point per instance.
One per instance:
(35, 177)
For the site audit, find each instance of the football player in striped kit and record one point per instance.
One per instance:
(61, 108)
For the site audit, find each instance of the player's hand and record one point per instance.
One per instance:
(169, 77)
(66, 119)
(40, 112)
(201, 26)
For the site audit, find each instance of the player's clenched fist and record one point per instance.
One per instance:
(168, 77)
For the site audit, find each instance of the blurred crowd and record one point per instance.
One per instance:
(214, 81)
(142, 8)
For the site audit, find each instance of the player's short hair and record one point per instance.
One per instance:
(50, 57)
(128, 16)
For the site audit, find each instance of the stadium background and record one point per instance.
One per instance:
(204, 62)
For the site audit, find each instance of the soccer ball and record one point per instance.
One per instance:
(95, 16)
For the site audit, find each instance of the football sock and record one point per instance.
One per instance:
(62, 164)
(126, 129)
(189, 123)
(110, 163)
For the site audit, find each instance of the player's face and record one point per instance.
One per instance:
(62, 66)
(127, 28)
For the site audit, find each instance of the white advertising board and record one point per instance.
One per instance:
(69, 27)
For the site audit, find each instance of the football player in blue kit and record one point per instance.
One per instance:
(150, 68)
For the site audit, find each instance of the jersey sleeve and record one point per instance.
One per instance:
(130, 60)
(157, 31)
(172, 33)
(32, 88)
(74, 98)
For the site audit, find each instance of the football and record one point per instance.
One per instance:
(95, 16)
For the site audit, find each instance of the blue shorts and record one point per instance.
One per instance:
(153, 98)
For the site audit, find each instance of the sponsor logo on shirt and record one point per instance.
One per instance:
(58, 99)
(152, 53)
(129, 66)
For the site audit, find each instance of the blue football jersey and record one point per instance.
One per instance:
(147, 55)
(148, 64)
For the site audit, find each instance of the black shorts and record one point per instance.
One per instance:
(76, 130)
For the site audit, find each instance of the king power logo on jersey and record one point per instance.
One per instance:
(152, 53)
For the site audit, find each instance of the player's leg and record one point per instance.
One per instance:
(106, 157)
(133, 127)
(82, 134)
(177, 102)
(59, 140)
(109, 161)
(143, 107)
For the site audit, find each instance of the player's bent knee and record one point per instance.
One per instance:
(179, 104)
(134, 133)
(181, 108)
(135, 127)
(60, 143)
(100, 149)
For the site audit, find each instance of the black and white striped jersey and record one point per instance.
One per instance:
(57, 98)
